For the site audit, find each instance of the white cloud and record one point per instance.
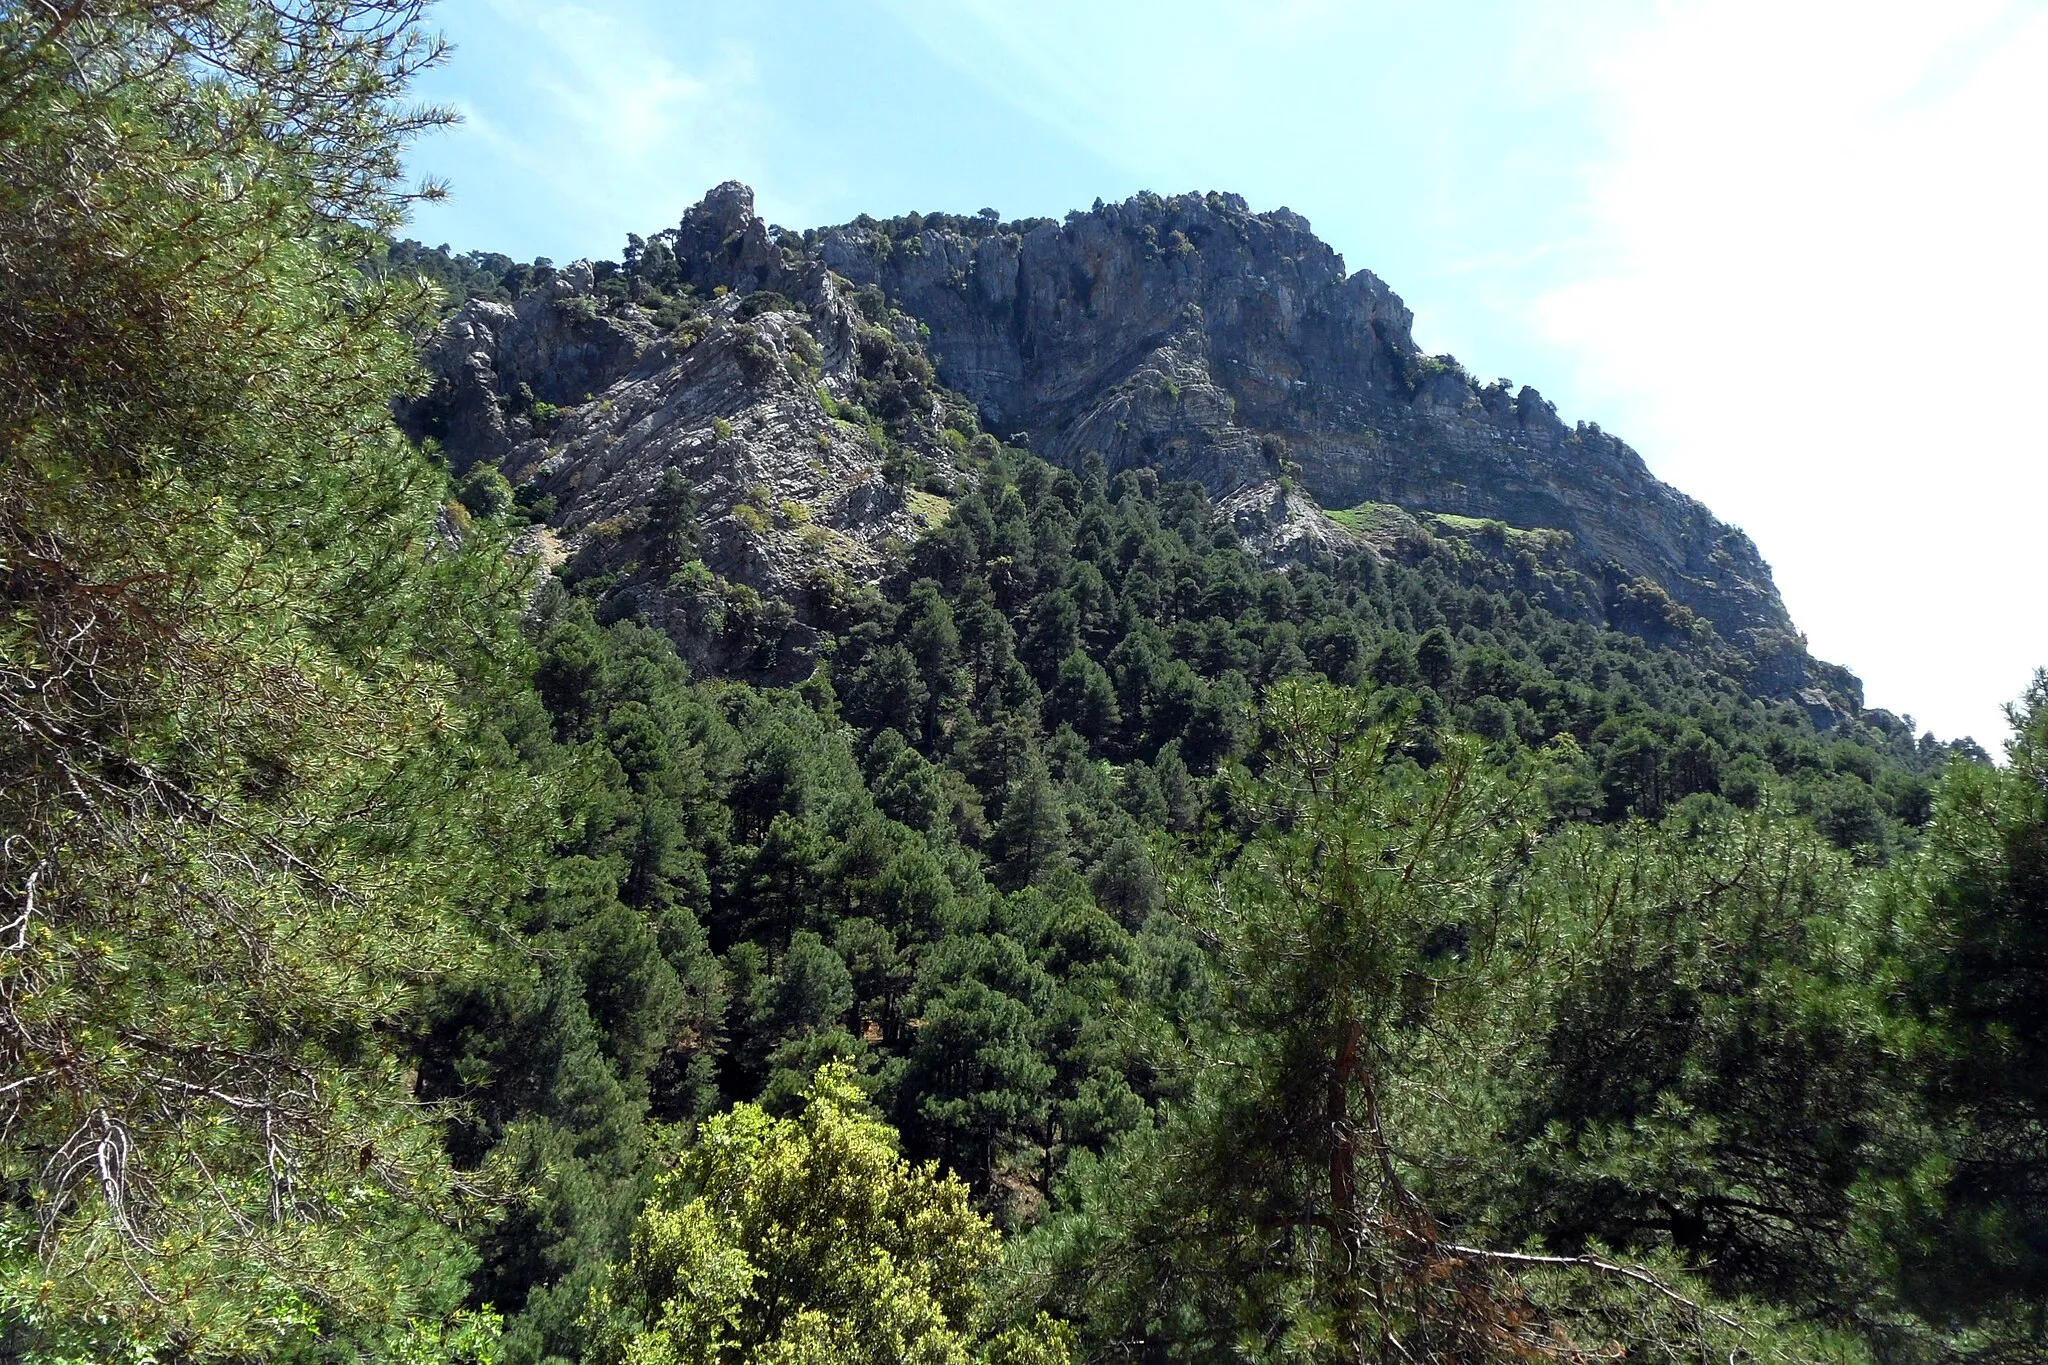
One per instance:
(1821, 312)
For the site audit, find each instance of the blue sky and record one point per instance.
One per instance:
(1792, 252)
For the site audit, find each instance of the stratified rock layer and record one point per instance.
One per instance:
(594, 408)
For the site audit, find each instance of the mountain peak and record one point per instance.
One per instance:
(1185, 334)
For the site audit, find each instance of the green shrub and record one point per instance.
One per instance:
(485, 492)
(692, 578)
(751, 350)
(763, 301)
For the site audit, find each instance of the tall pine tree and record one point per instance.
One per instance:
(246, 811)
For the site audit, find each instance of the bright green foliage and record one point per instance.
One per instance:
(806, 1240)
(247, 811)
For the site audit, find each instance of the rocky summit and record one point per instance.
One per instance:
(821, 392)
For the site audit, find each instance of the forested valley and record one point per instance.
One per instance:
(1112, 947)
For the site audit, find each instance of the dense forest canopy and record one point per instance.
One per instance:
(1111, 947)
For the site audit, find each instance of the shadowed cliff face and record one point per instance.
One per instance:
(1230, 347)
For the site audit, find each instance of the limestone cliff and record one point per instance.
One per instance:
(591, 403)
(1187, 334)
(1230, 347)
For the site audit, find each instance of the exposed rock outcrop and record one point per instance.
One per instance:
(593, 407)
(1185, 334)
(1227, 346)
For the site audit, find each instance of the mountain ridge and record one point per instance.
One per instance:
(1184, 334)
(1227, 329)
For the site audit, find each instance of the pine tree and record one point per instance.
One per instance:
(672, 520)
(245, 803)
(1971, 932)
(1372, 945)
(1031, 836)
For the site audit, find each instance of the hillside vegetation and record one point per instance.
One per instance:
(492, 910)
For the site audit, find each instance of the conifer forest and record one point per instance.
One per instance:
(722, 843)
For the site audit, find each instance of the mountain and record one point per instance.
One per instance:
(1222, 345)
(818, 391)
(1327, 865)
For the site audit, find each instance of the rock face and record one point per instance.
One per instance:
(1227, 346)
(1185, 334)
(593, 406)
